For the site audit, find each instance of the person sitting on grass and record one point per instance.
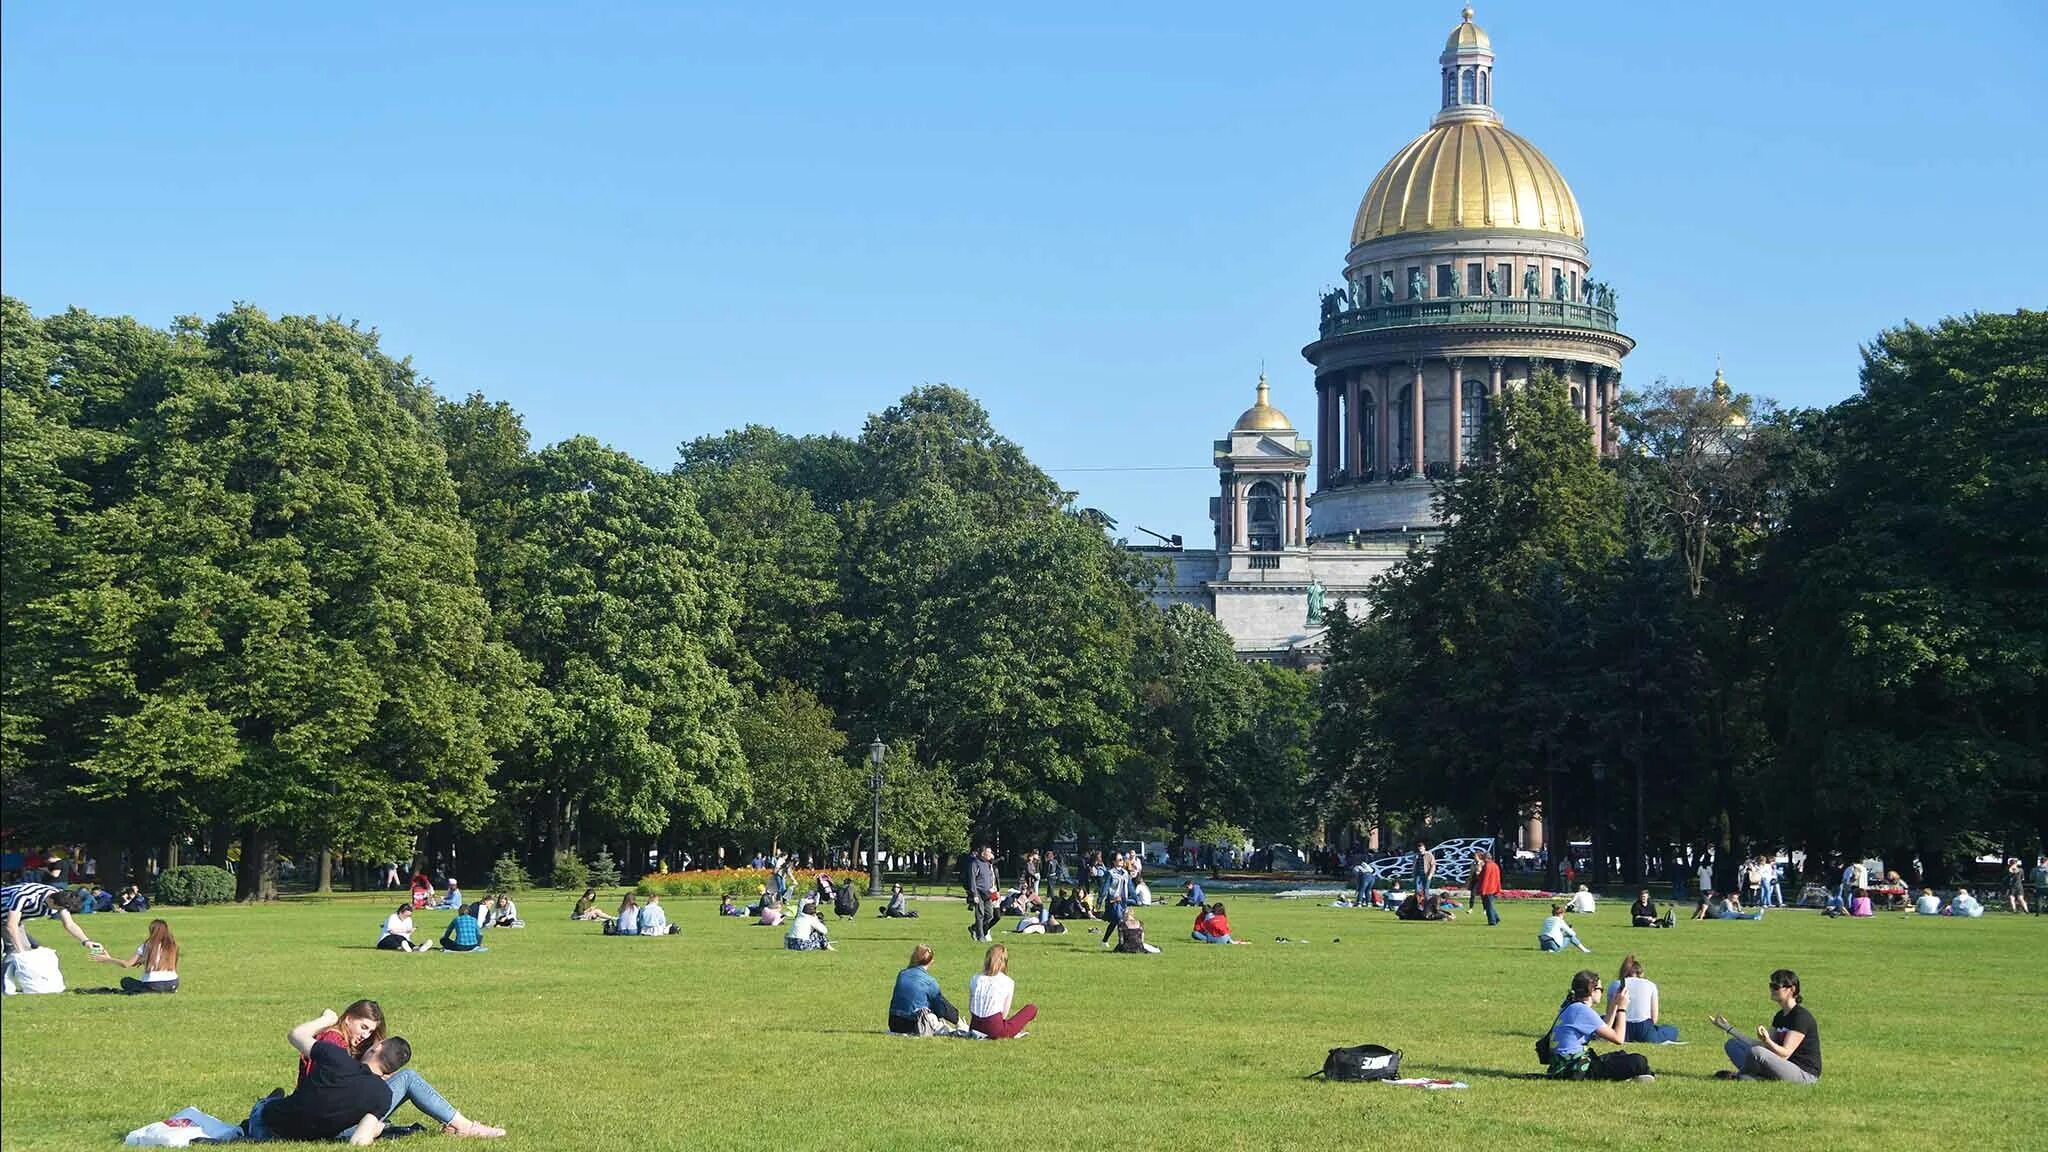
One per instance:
(1192, 896)
(1415, 906)
(396, 935)
(158, 959)
(895, 909)
(626, 922)
(916, 993)
(586, 907)
(422, 890)
(654, 919)
(1729, 907)
(1641, 1015)
(770, 910)
(988, 998)
(451, 899)
(322, 1076)
(1041, 923)
(1581, 902)
(1212, 926)
(357, 1029)
(1130, 936)
(807, 932)
(1964, 904)
(132, 900)
(501, 912)
(1788, 1050)
(1578, 1022)
(1643, 913)
(1556, 933)
(463, 933)
(727, 907)
(1861, 907)
(1928, 904)
(1066, 906)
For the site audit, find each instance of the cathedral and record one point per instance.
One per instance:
(1467, 274)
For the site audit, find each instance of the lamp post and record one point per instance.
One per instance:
(877, 752)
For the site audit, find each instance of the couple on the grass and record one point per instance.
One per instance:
(351, 1079)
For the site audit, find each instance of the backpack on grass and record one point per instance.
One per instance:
(1362, 1062)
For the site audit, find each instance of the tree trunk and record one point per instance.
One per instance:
(326, 881)
(218, 837)
(1553, 824)
(256, 878)
(171, 852)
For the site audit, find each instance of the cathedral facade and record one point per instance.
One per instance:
(1467, 274)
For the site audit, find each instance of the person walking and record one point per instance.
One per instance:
(981, 892)
(1116, 897)
(2015, 886)
(1486, 884)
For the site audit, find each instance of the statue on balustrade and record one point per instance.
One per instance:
(1415, 284)
(1315, 602)
(1333, 303)
(1492, 282)
(1613, 300)
(1592, 292)
(1386, 287)
(1557, 289)
(1529, 283)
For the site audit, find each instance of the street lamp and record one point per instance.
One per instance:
(877, 752)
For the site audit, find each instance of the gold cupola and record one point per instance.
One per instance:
(1467, 171)
(1262, 416)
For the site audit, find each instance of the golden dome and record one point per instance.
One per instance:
(1263, 417)
(1467, 174)
(1726, 395)
(1468, 35)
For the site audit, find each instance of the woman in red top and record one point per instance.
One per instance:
(1486, 884)
(1212, 927)
(360, 1027)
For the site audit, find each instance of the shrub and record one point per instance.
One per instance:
(509, 875)
(570, 872)
(741, 882)
(195, 884)
(604, 871)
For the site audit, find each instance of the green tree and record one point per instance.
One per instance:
(801, 788)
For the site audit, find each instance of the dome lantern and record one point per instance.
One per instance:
(1262, 416)
(1466, 78)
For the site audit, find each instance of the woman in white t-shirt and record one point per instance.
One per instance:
(158, 959)
(1641, 1017)
(989, 995)
(397, 933)
(1582, 902)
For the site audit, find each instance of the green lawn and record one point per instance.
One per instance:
(1935, 1033)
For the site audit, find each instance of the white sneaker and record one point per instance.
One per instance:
(1645, 1078)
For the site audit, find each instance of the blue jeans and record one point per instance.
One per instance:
(1644, 1032)
(1205, 938)
(1492, 917)
(410, 1085)
(1546, 944)
(1367, 881)
(1767, 894)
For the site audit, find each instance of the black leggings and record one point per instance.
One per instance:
(392, 942)
(132, 986)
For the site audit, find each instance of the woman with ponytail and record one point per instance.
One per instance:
(1579, 1022)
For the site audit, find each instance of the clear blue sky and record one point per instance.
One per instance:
(654, 222)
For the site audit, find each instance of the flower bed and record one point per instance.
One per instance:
(743, 883)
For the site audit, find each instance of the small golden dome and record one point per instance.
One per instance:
(1726, 395)
(1467, 174)
(1263, 417)
(1468, 35)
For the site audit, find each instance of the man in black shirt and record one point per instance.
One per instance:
(1789, 1049)
(339, 1093)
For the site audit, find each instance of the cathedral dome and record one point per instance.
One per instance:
(1467, 174)
(1468, 35)
(1263, 417)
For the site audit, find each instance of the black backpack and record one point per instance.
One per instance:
(1363, 1062)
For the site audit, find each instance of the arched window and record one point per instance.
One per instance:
(1471, 96)
(1262, 516)
(1470, 418)
(1485, 86)
(1450, 86)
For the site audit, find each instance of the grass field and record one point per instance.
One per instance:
(1934, 1033)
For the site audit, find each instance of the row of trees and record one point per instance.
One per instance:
(266, 592)
(1756, 628)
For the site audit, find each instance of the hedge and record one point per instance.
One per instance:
(741, 882)
(195, 884)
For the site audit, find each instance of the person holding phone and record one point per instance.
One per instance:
(1788, 1050)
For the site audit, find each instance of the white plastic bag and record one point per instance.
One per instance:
(182, 1129)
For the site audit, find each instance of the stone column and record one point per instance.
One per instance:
(1599, 380)
(1415, 454)
(1287, 539)
(1383, 422)
(1457, 411)
(1493, 383)
(1240, 536)
(1352, 471)
(1323, 422)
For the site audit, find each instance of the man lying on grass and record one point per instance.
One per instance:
(345, 1098)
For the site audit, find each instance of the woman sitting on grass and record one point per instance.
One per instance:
(771, 910)
(1581, 902)
(1788, 1050)
(988, 998)
(1130, 936)
(1641, 998)
(1555, 933)
(463, 933)
(627, 921)
(1861, 907)
(895, 909)
(807, 932)
(1928, 904)
(917, 992)
(357, 1031)
(1964, 904)
(158, 959)
(397, 933)
(1578, 1023)
(726, 906)
(1212, 926)
(501, 912)
(1643, 913)
(1729, 907)
(586, 907)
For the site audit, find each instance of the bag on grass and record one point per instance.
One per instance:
(1361, 1062)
